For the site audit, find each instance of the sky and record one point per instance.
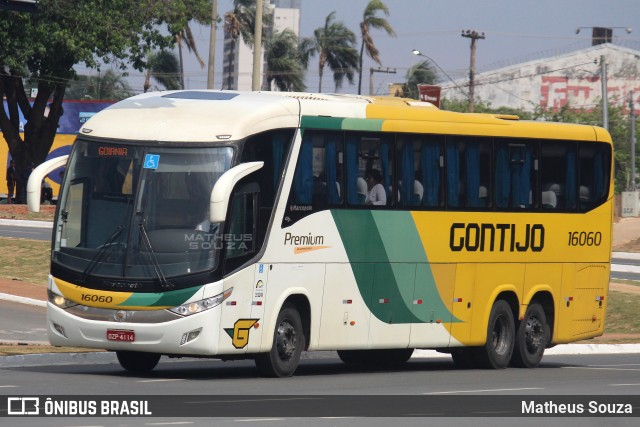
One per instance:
(515, 31)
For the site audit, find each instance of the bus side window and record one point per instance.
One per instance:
(468, 162)
(516, 175)
(594, 168)
(420, 168)
(318, 176)
(558, 175)
(365, 153)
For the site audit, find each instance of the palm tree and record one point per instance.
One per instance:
(240, 22)
(370, 20)
(282, 59)
(334, 43)
(422, 72)
(164, 67)
(105, 86)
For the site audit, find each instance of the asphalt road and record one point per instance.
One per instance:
(197, 383)
(35, 233)
(22, 322)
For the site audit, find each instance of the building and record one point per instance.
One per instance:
(238, 57)
(573, 79)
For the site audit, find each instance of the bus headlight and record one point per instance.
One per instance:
(59, 300)
(190, 308)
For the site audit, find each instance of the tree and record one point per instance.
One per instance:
(182, 12)
(44, 46)
(334, 44)
(105, 86)
(282, 60)
(240, 22)
(421, 73)
(370, 20)
(164, 68)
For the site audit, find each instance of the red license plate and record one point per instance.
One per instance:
(120, 335)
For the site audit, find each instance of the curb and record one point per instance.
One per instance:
(23, 300)
(26, 223)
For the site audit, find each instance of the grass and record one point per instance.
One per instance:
(20, 212)
(25, 260)
(622, 313)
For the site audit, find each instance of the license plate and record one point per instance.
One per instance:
(120, 335)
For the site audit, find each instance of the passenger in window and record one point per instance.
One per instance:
(377, 195)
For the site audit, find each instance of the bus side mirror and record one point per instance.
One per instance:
(34, 186)
(221, 192)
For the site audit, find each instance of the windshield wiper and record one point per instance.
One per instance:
(101, 251)
(152, 256)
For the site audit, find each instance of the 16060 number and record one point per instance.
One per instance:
(97, 298)
(585, 238)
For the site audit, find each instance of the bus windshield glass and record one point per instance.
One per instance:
(139, 212)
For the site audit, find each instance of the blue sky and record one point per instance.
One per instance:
(515, 30)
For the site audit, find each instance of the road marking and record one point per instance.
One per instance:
(160, 380)
(485, 391)
(169, 424)
(254, 420)
(7, 386)
(623, 385)
(598, 369)
(625, 268)
(620, 364)
(257, 400)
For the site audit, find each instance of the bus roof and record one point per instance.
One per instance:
(206, 116)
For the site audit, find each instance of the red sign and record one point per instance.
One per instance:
(121, 335)
(430, 93)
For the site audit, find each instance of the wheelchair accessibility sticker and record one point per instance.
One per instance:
(151, 161)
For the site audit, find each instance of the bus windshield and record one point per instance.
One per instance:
(138, 212)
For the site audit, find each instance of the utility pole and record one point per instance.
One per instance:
(605, 94)
(257, 48)
(632, 125)
(378, 70)
(212, 44)
(474, 36)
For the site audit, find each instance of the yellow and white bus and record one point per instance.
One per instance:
(260, 225)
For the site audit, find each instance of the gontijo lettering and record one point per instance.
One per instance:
(474, 237)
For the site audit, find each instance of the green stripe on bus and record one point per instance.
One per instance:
(314, 122)
(373, 125)
(390, 266)
(161, 299)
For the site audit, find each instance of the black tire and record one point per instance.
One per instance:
(376, 357)
(464, 358)
(137, 361)
(496, 353)
(288, 343)
(532, 338)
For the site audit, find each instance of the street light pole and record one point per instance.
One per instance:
(418, 53)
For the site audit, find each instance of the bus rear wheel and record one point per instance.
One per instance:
(137, 361)
(531, 338)
(288, 343)
(497, 351)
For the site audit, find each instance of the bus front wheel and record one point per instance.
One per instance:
(531, 338)
(497, 351)
(288, 343)
(136, 361)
